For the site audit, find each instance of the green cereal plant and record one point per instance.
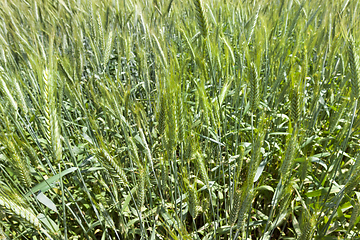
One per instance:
(193, 202)
(247, 198)
(201, 18)
(308, 227)
(354, 216)
(171, 124)
(215, 103)
(24, 214)
(161, 117)
(180, 117)
(289, 156)
(140, 192)
(110, 164)
(51, 119)
(200, 164)
(255, 158)
(354, 63)
(295, 103)
(17, 159)
(235, 207)
(254, 87)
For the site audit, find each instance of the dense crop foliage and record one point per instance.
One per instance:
(188, 119)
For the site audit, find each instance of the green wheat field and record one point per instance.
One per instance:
(179, 119)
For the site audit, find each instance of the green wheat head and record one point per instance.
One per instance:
(201, 18)
(354, 62)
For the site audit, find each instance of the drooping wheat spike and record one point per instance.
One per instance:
(235, 207)
(161, 114)
(193, 201)
(255, 158)
(245, 205)
(201, 18)
(110, 164)
(20, 212)
(202, 168)
(354, 62)
(140, 193)
(354, 215)
(308, 227)
(289, 156)
(295, 105)
(254, 87)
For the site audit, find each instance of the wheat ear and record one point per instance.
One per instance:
(245, 205)
(161, 114)
(110, 164)
(51, 120)
(235, 207)
(354, 215)
(295, 105)
(20, 212)
(354, 68)
(308, 228)
(201, 18)
(140, 193)
(289, 156)
(254, 87)
(255, 158)
(193, 201)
